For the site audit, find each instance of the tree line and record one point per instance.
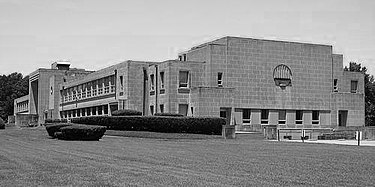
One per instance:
(14, 85)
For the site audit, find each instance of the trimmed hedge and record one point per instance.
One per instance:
(126, 112)
(2, 124)
(169, 114)
(55, 121)
(52, 128)
(81, 132)
(195, 125)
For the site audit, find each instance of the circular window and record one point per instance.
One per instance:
(282, 76)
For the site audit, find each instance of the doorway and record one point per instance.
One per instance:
(226, 113)
(343, 116)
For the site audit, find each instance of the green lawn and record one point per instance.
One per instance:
(28, 157)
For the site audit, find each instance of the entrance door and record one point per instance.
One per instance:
(343, 115)
(226, 113)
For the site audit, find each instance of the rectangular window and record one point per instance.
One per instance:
(152, 83)
(282, 116)
(335, 87)
(161, 80)
(100, 110)
(152, 109)
(88, 110)
(246, 116)
(184, 79)
(315, 117)
(264, 116)
(183, 109)
(353, 86)
(74, 113)
(162, 108)
(94, 88)
(192, 111)
(299, 117)
(220, 79)
(105, 109)
(122, 82)
(78, 112)
(83, 110)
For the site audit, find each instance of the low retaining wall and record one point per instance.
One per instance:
(26, 120)
(369, 133)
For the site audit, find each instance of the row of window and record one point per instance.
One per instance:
(21, 106)
(94, 88)
(183, 80)
(89, 111)
(246, 116)
(353, 86)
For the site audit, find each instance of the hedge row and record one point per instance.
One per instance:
(195, 125)
(168, 114)
(47, 121)
(126, 112)
(70, 131)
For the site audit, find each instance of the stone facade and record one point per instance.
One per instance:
(319, 89)
(44, 93)
(255, 84)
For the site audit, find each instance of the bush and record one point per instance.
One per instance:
(2, 124)
(52, 128)
(81, 132)
(126, 112)
(169, 114)
(195, 125)
(56, 121)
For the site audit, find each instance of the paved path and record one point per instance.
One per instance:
(339, 142)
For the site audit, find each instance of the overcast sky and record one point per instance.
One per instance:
(94, 34)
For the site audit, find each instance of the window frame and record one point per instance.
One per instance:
(162, 79)
(184, 84)
(264, 120)
(152, 82)
(282, 121)
(335, 85)
(246, 116)
(356, 86)
(220, 79)
(315, 121)
(299, 121)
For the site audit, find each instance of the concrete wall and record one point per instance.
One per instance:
(26, 120)
(248, 64)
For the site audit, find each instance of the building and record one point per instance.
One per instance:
(42, 101)
(254, 83)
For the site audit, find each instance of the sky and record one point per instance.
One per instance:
(93, 34)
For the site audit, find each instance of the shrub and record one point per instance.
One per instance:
(196, 125)
(2, 124)
(55, 127)
(56, 121)
(126, 112)
(81, 132)
(169, 114)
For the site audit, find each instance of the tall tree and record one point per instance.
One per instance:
(369, 92)
(12, 86)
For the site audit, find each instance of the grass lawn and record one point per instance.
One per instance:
(28, 157)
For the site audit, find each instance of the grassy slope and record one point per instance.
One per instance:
(29, 157)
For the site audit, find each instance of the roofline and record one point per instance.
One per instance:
(250, 38)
